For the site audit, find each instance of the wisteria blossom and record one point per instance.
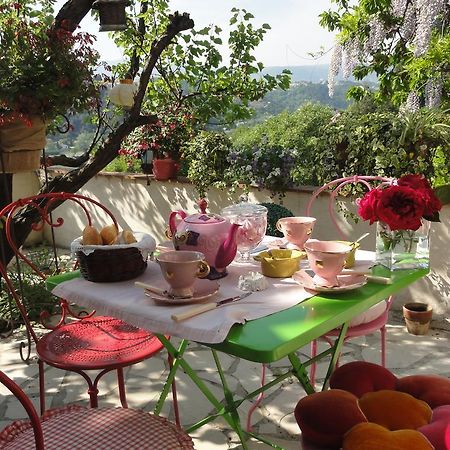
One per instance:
(412, 103)
(413, 28)
(428, 11)
(335, 66)
(433, 92)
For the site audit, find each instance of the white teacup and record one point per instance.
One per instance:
(180, 269)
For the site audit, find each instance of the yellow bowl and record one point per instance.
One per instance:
(350, 259)
(280, 263)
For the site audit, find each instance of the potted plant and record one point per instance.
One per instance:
(170, 133)
(46, 71)
(161, 142)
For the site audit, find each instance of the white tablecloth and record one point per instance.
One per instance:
(129, 303)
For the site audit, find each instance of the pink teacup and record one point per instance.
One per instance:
(181, 268)
(326, 259)
(296, 230)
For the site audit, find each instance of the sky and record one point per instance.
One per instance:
(295, 28)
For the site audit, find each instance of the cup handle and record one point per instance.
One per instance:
(203, 269)
(278, 226)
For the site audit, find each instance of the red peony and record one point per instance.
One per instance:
(401, 208)
(401, 205)
(368, 206)
(424, 190)
(414, 182)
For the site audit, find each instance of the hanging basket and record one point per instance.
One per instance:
(112, 14)
(21, 145)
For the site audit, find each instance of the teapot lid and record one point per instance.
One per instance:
(204, 218)
(244, 209)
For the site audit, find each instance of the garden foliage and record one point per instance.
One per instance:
(364, 139)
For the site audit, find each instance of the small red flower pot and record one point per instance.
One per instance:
(164, 169)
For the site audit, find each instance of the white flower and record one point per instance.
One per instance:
(427, 13)
(433, 92)
(377, 34)
(412, 103)
(335, 66)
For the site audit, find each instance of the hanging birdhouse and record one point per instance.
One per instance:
(122, 94)
(112, 14)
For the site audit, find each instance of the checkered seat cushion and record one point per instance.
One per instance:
(79, 428)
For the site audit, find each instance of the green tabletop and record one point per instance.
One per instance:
(273, 337)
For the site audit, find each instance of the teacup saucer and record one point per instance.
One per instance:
(203, 289)
(346, 282)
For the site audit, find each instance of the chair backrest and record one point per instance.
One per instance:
(369, 182)
(334, 187)
(35, 423)
(40, 207)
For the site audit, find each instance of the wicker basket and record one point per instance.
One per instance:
(112, 265)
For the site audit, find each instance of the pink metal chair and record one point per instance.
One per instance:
(86, 342)
(76, 427)
(379, 323)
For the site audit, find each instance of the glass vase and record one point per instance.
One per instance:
(403, 249)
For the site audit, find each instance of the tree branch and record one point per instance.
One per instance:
(74, 11)
(177, 24)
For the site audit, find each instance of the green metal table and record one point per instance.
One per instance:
(277, 336)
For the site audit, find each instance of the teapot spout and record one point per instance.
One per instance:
(228, 248)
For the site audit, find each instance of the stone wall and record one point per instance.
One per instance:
(143, 204)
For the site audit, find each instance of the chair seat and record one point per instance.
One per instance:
(78, 428)
(364, 328)
(97, 343)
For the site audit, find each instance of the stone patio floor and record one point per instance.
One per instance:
(406, 355)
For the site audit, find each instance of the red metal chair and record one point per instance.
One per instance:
(87, 342)
(379, 323)
(76, 427)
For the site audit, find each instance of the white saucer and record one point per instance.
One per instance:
(203, 289)
(346, 282)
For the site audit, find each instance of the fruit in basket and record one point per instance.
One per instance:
(125, 237)
(91, 236)
(109, 234)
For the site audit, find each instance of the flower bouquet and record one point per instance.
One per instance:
(403, 211)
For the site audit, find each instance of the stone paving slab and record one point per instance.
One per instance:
(274, 419)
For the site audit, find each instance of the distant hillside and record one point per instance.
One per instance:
(313, 73)
(300, 92)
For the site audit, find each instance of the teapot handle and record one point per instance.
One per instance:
(172, 221)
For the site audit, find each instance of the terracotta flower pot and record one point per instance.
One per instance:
(164, 169)
(417, 317)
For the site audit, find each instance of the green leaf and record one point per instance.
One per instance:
(443, 193)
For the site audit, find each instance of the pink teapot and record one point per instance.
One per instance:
(210, 234)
